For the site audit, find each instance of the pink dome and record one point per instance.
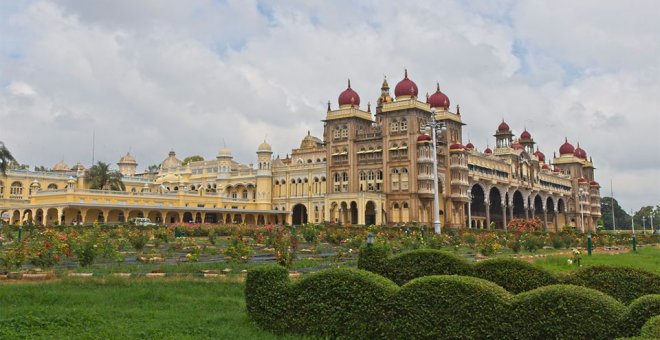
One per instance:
(526, 135)
(439, 99)
(582, 180)
(566, 148)
(405, 87)
(349, 97)
(423, 138)
(579, 152)
(488, 151)
(546, 167)
(456, 146)
(594, 184)
(503, 127)
(539, 155)
(517, 146)
(469, 146)
(556, 170)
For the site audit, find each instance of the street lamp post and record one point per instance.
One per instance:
(582, 195)
(434, 126)
(634, 238)
(652, 229)
(469, 192)
(644, 225)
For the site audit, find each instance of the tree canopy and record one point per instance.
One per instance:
(5, 158)
(193, 158)
(100, 177)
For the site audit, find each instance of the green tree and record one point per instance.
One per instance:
(647, 211)
(194, 158)
(100, 177)
(41, 168)
(153, 168)
(5, 158)
(622, 217)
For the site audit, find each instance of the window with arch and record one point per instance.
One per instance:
(234, 195)
(245, 194)
(52, 186)
(344, 132)
(336, 133)
(395, 179)
(394, 126)
(403, 125)
(16, 189)
(404, 178)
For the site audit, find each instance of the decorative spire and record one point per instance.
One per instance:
(458, 110)
(427, 97)
(308, 133)
(385, 85)
(437, 87)
(328, 105)
(405, 73)
(349, 83)
(369, 107)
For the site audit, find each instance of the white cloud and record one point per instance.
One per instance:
(151, 76)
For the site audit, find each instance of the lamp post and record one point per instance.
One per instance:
(652, 229)
(435, 127)
(370, 240)
(644, 225)
(469, 192)
(582, 195)
(634, 238)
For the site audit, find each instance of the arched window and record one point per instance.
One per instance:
(345, 176)
(245, 194)
(362, 176)
(52, 186)
(16, 189)
(336, 133)
(403, 126)
(344, 132)
(394, 126)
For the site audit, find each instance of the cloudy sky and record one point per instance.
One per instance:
(150, 76)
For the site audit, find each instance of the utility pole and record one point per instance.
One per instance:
(612, 205)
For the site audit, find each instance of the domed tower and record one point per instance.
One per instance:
(127, 165)
(224, 162)
(503, 136)
(264, 173)
(459, 183)
(61, 167)
(527, 142)
(170, 163)
(406, 88)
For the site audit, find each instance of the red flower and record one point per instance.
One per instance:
(47, 245)
(62, 238)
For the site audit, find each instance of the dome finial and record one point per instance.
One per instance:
(368, 106)
(405, 73)
(458, 109)
(349, 83)
(308, 133)
(437, 86)
(328, 105)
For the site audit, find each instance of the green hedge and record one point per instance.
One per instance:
(565, 312)
(625, 284)
(514, 275)
(449, 307)
(339, 303)
(651, 328)
(374, 258)
(266, 296)
(407, 266)
(638, 312)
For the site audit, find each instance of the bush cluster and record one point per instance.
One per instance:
(565, 312)
(651, 329)
(348, 303)
(516, 276)
(624, 284)
(638, 312)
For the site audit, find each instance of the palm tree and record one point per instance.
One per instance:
(100, 177)
(5, 158)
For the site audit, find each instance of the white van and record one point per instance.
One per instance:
(141, 221)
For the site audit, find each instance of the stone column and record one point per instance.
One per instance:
(487, 213)
(545, 219)
(504, 215)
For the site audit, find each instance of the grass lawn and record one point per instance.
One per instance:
(126, 308)
(647, 258)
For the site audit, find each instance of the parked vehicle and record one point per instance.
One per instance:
(141, 221)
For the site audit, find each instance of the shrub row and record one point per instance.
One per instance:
(651, 329)
(338, 303)
(516, 276)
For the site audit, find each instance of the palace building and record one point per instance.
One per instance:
(368, 168)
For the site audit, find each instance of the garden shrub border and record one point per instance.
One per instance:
(638, 312)
(355, 303)
(651, 328)
(622, 283)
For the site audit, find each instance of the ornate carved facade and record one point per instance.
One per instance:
(367, 169)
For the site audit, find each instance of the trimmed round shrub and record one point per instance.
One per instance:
(449, 307)
(340, 303)
(425, 262)
(374, 258)
(565, 312)
(651, 328)
(266, 297)
(516, 276)
(624, 284)
(638, 312)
